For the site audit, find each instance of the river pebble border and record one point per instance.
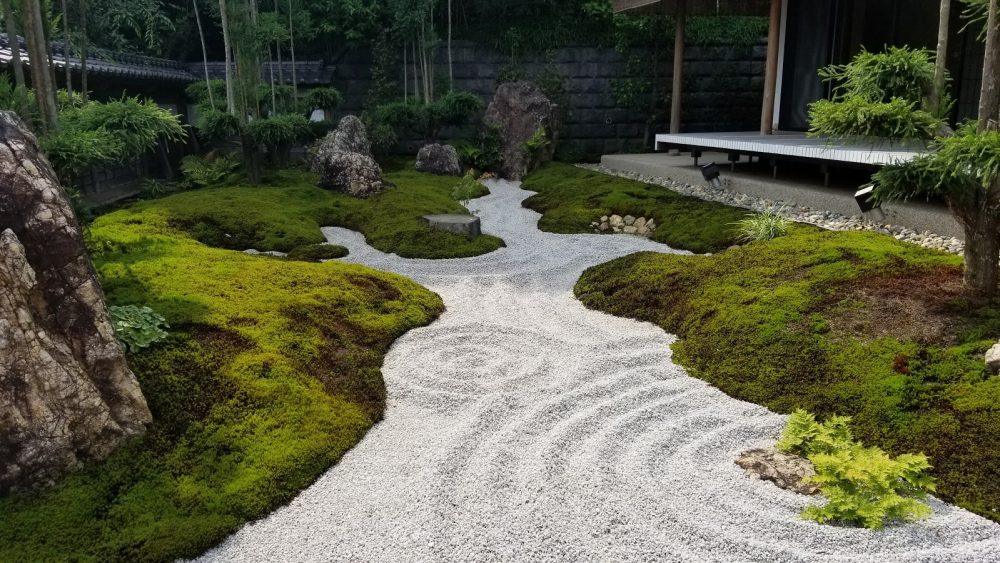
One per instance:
(790, 209)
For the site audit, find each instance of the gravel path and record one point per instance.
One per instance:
(521, 426)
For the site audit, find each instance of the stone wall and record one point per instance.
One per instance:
(723, 89)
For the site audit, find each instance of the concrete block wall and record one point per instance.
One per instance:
(723, 89)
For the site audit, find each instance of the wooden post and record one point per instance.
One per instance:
(771, 70)
(678, 90)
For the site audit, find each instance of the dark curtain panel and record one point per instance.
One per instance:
(809, 39)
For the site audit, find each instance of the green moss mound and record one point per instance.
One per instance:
(271, 373)
(287, 211)
(571, 198)
(317, 252)
(854, 324)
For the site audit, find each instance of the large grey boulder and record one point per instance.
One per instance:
(787, 471)
(66, 392)
(993, 359)
(519, 110)
(345, 163)
(441, 160)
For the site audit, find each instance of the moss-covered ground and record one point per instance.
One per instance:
(850, 323)
(287, 212)
(270, 374)
(571, 198)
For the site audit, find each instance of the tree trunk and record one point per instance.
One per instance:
(982, 247)
(941, 60)
(204, 53)
(291, 46)
(84, 46)
(406, 77)
(41, 74)
(47, 35)
(989, 96)
(451, 70)
(227, 43)
(67, 48)
(15, 45)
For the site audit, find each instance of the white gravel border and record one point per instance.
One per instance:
(792, 210)
(523, 427)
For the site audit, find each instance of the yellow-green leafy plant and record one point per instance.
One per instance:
(863, 486)
(138, 327)
(466, 190)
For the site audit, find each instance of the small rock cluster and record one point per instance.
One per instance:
(824, 219)
(787, 471)
(628, 225)
(344, 161)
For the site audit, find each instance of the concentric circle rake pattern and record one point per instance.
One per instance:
(522, 426)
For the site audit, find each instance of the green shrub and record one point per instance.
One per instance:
(326, 99)
(763, 226)
(317, 252)
(139, 124)
(66, 100)
(72, 152)
(278, 130)
(204, 172)
(866, 487)
(466, 190)
(138, 327)
(880, 95)
(483, 152)
(427, 120)
(19, 100)
(805, 436)
(198, 93)
(214, 125)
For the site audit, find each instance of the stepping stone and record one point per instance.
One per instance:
(468, 225)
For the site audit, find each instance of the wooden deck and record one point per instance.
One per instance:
(797, 146)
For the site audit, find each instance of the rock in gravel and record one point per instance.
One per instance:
(66, 392)
(468, 225)
(784, 470)
(440, 160)
(344, 161)
(629, 220)
(617, 221)
(993, 358)
(519, 110)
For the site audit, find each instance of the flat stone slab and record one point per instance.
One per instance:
(468, 225)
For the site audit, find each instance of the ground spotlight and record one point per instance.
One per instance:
(711, 173)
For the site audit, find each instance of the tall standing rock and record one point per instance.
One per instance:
(66, 392)
(520, 110)
(344, 161)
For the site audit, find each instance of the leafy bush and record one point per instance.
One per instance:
(317, 252)
(204, 172)
(763, 226)
(278, 130)
(427, 120)
(536, 144)
(881, 95)
(198, 93)
(139, 124)
(326, 99)
(466, 190)
(138, 327)
(214, 125)
(863, 486)
(19, 100)
(66, 100)
(484, 151)
(72, 152)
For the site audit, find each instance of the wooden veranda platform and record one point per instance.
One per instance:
(792, 146)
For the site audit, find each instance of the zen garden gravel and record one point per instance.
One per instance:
(522, 426)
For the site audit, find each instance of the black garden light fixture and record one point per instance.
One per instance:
(864, 198)
(711, 174)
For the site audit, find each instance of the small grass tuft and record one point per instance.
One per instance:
(767, 225)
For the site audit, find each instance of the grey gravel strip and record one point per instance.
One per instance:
(523, 427)
(792, 210)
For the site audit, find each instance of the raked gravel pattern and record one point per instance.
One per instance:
(523, 427)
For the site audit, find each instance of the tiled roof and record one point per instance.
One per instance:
(112, 63)
(306, 72)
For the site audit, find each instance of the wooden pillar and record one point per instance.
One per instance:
(678, 90)
(771, 69)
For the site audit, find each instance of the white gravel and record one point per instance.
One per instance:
(523, 427)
